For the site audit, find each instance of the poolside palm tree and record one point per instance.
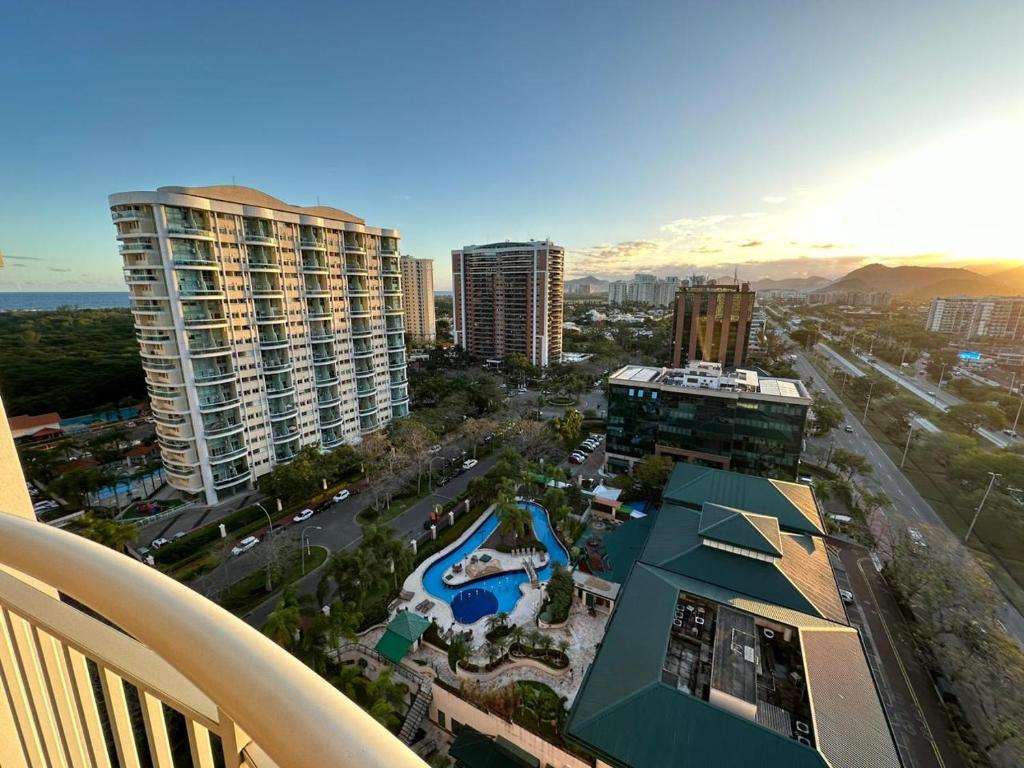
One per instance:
(516, 634)
(496, 621)
(563, 646)
(387, 699)
(546, 642)
(514, 519)
(534, 637)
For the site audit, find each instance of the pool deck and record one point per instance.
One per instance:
(441, 612)
(500, 562)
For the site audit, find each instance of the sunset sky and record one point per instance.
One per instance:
(779, 138)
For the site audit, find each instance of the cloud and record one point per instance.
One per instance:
(773, 199)
(825, 246)
(58, 269)
(705, 249)
(751, 244)
(21, 258)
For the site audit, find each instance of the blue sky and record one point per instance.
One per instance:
(791, 137)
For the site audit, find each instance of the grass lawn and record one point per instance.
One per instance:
(997, 546)
(398, 506)
(248, 592)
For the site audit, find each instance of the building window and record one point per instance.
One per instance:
(441, 719)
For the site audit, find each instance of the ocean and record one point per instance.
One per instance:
(34, 302)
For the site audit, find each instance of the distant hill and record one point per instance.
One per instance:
(590, 280)
(790, 284)
(929, 282)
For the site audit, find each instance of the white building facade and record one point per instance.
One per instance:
(263, 327)
(990, 318)
(644, 289)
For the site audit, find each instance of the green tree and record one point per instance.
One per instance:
(827, 413)
(974, 415)
(106, 532)
(568, 427)
(849, 463)
(651, 473)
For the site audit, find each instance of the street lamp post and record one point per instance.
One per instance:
(910, 435)
(1016, 421)
(305, 549)
(271, 522)
(942, 375)
(981, 506)
(867, 405)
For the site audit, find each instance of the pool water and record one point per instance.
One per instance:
(492, 594)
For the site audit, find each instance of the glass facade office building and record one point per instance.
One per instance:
(749, 425)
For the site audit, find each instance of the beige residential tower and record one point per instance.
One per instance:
(418, 292)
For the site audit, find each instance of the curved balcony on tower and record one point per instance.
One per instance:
(325, 375)
(318, 309)
(198, 285)
(276, 362)
(362, 348)
(398, 376)
(188, 223)
(359, 307)
(396, 359)
(361, 328)
(193, 254)
(211, 398)
(355, 241)
(393, 305)
(142, 253)
(203, 314)
(258, 232)
(230, 474)
(213, 371)
(399, 392)
(328, 395)
(390, 265)
(400, 410)
(222, 423)
(223, 449)
(157, 344)
(323, 352)
(262, 258)
(312, 239)
(392, 286)
(368, 423)
(330, 417)
(285, 431)
(207, 343)
(282, 408)
(396, 341)
(331, 437)
(266, 284)
(356, 264)
(320, 330)
(271, 337)
(270, 311)
(279, 384)
(389, 244)
(316, 285)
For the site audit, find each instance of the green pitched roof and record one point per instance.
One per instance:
(408, 625)
(403, 630)
(759, 533)
(623, 546)
(471, 749)
(629, 717)
(792, 504)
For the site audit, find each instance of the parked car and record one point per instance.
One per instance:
(469, 463)
(179, 535)
(159, 542)
(1009, 433)
(436, 448)
(806, 479)
(848, 428)
(303, 516)
(341, 496)
(847, 596)
(917, 537)
(584, 448)
(577, 458)
(244, 545)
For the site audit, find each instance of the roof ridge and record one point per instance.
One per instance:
(624, 700)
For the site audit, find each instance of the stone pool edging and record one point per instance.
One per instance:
(513, 662)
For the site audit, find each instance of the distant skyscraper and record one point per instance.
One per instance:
(508, 300)
(643, 289)
(712, 323)
(418, 292)
(263, 327)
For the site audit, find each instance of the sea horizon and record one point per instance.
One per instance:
(41, 301)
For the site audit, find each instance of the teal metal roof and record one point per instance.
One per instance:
(629, 717)
(408, 625)
(792, 504)
(759, 533)
(623, 546)
(472, 749)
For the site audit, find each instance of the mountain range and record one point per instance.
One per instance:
(929, 282)
(594, 282)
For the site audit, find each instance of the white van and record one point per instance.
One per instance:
(245, 545)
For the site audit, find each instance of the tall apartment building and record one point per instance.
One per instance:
(418, 292)
(712, 323)
(644, 289)
(263, 327)
(988, 318)
(877, 299)
(508, 300)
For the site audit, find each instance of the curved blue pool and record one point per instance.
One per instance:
(491, 594)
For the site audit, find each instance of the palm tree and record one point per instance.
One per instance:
(350, 680)
(387, 700)
(546, 642)
(514, 520)
(283, 625)
(105, 532)
(534, 637)
(516, 634)
(496, 621)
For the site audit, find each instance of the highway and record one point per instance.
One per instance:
(941, 400)
(908, 505)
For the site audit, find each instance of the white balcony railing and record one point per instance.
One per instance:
(63, 672)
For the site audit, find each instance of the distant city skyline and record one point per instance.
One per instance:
(709, 138)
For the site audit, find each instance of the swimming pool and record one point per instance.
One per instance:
(475, 603)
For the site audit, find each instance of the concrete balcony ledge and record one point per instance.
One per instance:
(223, 676)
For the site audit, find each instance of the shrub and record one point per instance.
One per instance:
(560, 588)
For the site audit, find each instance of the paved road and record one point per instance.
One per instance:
(341, 531)
(918, 720)
(909, 506)
(942, 400)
